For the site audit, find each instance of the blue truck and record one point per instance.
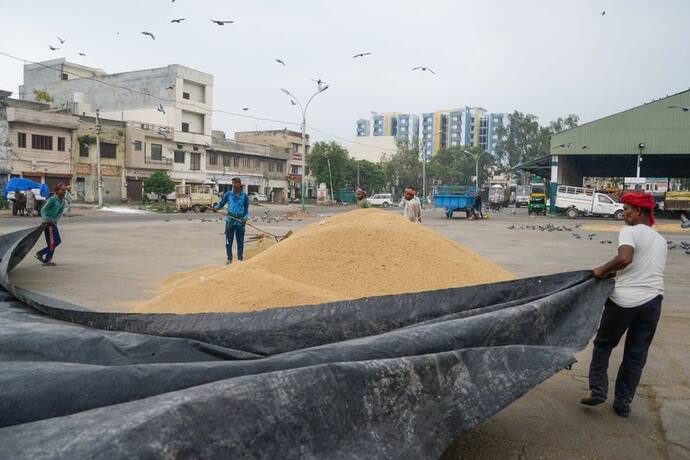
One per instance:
(455, 198)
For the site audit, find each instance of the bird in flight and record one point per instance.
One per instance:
(424, 69)
(177, 21)
(603, 13)
(684, 109)
(318, 82)
(280, 61)
(81, 54)
(61, 40)
(149, 34)
(170, 87)
(292, 102)
(161, 109)
(360, 55)
(221, 23)
(52, 48)
(245, 108)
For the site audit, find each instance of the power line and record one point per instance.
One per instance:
(163, 99)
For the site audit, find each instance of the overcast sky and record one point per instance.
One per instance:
(546, 57)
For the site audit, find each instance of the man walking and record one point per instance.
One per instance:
(238, 211)
(634, 306)
(362, 202)
(51, 212)
(412, 208)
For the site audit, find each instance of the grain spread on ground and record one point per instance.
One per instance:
(361, 253)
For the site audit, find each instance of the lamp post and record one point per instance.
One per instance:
(304, 129)
(476, 158)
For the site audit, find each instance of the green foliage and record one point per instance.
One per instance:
(343, 168)
(403, 168)
(159, 183)
(457, 166)
(42, 96)
(524, 139)
(3, 203)
(164, 208)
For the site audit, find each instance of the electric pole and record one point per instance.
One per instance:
(99, 180)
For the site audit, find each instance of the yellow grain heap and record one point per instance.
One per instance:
(362, 253)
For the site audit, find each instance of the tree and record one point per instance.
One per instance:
(42, 96)
(561, 124)
(159, 183)
(318, 159)
(457, 166)
(372, 177)
(403, 168)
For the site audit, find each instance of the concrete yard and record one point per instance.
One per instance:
(106, 261)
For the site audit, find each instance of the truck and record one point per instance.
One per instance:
(580, 201)
(497, 196)
(196, 198)
(522, 193)
(676, 202)
(455, 198)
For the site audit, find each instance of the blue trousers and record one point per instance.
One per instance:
(233, 230)
(640, 324)
(52, 241)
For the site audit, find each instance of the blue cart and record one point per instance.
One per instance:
(455, 198)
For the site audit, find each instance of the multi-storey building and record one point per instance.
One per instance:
(291, 142)
(36, 142)
(441, 130)
(495, 122)
(363, 128)
(403, 126)
(262, 168)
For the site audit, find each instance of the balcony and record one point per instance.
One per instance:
(158, 161)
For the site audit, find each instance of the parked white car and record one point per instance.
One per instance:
(576, 201)
(255, 197)
(381, 199)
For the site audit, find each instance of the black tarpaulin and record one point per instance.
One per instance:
(394, 376)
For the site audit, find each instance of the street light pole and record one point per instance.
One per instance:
(304, 130)
(99, 180)
(476, 166)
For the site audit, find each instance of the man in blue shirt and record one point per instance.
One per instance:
(238, 211)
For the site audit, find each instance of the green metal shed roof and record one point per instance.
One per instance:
(663, 130)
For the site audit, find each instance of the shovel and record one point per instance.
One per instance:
(278, 238)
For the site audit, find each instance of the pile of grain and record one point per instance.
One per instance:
(361, 253)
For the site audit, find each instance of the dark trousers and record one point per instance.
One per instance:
(52, 241)
(640, 323)
(231, 231)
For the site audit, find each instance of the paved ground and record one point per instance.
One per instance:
(109, 260)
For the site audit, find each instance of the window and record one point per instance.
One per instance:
(185, 95)
(137, 146)
(41, 142)
(195, 161)
(226, 160)
(61, 144)
(185, 127)
(195, 148)
(280, 167)
(156, 152)
(21, 140)
(295, 169)
(213, 158)
(605, 199)
(179, 156)
(257, 163)
(64, 76)
(246, 163)
(295, 147)
(84, 150)
(108, 150)
(236, 162)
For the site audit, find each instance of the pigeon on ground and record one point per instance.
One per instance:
(359, 55)
(591, 235)
(424, 69)
(149, 34)
(684, 221)
(576, 235)
(512, 227)
(578, 225)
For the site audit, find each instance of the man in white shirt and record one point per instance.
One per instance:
(634, 306)
(412, 207)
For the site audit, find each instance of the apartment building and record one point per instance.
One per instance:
(36, 142)
(363, 128)
(403, 126)
(441, 129)
(291, 143)
(262, 168)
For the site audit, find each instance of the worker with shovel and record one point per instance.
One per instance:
(238, 211)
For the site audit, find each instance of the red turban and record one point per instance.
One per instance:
(641, 200)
